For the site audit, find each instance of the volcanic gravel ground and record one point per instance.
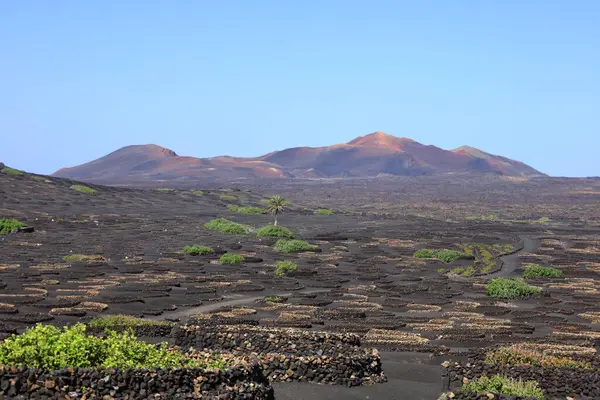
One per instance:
(363, 280)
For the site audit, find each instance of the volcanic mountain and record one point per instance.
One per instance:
(371, 155)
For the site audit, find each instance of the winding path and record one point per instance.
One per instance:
(511, 262)
(235, 300)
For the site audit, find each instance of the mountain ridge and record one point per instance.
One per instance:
(369, 155)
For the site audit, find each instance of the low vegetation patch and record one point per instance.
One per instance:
(11, 171)
(198, 192)
(246, 210)
(465, 271)
(284, 268)
(124, 320)
(9, 225)
(165, 190)
(502, 385)
(293, 246)
(82, 258)
(324, 211)
(424, 253)
(537, 271)
(231, 258)
(274, 299)
(228, 197)
(197, 250)
(515, 356)
(46, 346)
(443, 255)
(274, 231)
(84, 189)
(510, 288)
(227, 226)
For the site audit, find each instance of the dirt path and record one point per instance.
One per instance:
(235, 300)
(511, 262)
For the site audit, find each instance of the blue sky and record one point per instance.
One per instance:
(79, 79)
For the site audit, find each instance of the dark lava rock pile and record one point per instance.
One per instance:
(556, 383)
(289, 354)
(240, 382)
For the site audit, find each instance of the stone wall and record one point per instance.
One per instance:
(240, 382)
(260, 339)
(290, 354)
(557, 383)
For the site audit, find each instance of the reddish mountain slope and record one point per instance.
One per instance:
(370, 155)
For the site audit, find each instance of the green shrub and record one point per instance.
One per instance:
(284, 268)
(449, 256)
(274, 299)
(84, 189)
(165, 190)
(502, 385)
(9, 225)
(226, 226)
(443, 255)
(11, 171)
(198, 192)
(293, 246)
(124, 320)
(246, 210)
(230, 258)
(46, 346)
(324, 211)
(274, 231)
(510, 288)
(424, 253)
(82, 258)
(228, 197)
(197, 250)
(537, 271)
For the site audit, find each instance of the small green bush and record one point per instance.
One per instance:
(293, 246)
(246, 210)
(274, 231)
(124, 320)
(46, 346)
(324, 211)
(84, 189)
(284, 268)
(165, 190)
(537, 271)
(449, 256)
(197, 250)
(11, 171)
(228, 197)
(274, 299)
(82, 258)
(510, 288)
(443, 255)
(230, 258)
(502, 385)
(9, 225)
(198, 192)
(226, 226)
(424, 253)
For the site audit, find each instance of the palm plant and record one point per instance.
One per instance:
(276, 206)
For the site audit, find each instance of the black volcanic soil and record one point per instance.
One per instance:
(363, 280)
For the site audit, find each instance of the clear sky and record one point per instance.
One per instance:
(81, 78)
